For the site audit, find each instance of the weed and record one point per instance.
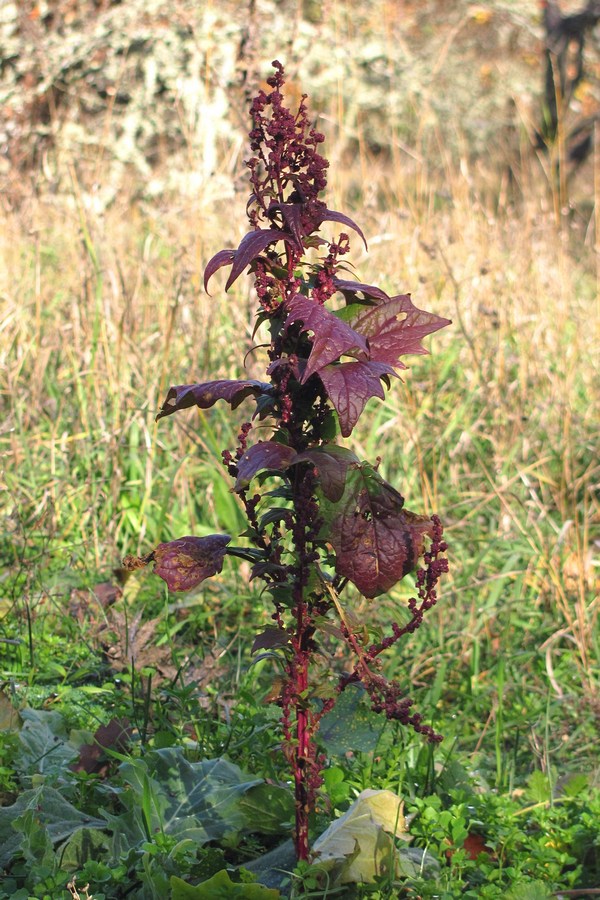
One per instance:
(338, 521)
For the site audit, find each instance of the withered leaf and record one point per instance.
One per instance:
(115, 735)
(188, 561)
(206, 394)
(376, 541)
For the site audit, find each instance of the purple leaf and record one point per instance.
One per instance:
(266, 455)
(222, 258)
(205, 395)
(331, 215)
(332, 337)
(394, 327)
(331, 462)
(270, 639)
(186, 562)
(376, 541)
(355, 287)
(292, 216)
(251, 246)
(349, 386)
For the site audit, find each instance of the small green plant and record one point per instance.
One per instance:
(318, 518)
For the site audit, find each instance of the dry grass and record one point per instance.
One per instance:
(497, 430)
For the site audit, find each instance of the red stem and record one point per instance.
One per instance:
(302, 753)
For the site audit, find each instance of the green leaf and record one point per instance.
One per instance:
(454, 776)
(220, 887)
(269, 808)
(44, 742)
(538, 787)
(351, 724)
(271, 638)
(414, 862)
(199, 801)
(36, 844)
(535, 890)
(282, 593)
(575, 784)
(51, 812)
(84, 844)
(273, 515)
(338, 790)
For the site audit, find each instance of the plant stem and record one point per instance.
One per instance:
(302, 757)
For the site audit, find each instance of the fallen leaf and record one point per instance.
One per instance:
(133, 643)
(10, 720)
(359, 845)
(115, 735)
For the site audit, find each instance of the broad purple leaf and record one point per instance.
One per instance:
(349, 385)
(332, 215)
(376, 541)
(251, 246)
(205, 395)
(394, 327)
(270, 639)
(348, 288)
(266, 455)
(332, 463)
(186, 562)
(220, 259)
(332, 337)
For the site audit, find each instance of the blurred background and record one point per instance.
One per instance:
(123, 130)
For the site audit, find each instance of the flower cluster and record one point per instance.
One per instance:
(287, 168)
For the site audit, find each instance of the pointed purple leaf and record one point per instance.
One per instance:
(222, 258)
(332, 463)
(251, 246)
(205, 395)
(188, 561)
(270, 639)
(350, 385)
(394, 327)
(355, 287)
(314, 241)
(266, 455)
(332, 337)
(292, 216)
(331, 215)
(376, 541)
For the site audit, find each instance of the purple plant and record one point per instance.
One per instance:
(330, 519)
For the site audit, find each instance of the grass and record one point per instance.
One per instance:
(496, 430)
